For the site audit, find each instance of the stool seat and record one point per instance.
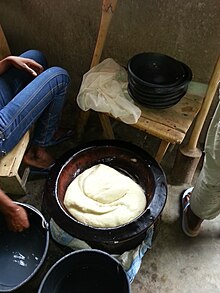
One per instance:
(170, 124)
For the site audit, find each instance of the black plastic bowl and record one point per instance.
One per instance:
(124, 157)
(22, 254)
(157, 81)
(157, 102)
(155, 97)
(162, 91)
(85, 271)
(156, 70)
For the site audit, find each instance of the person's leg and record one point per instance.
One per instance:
(14, 80)
(48, 124)
(205, 197)
(45, 93)
(205, 202)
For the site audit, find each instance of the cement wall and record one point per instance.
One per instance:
(66, 31)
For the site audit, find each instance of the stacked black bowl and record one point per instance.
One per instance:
(156, 80)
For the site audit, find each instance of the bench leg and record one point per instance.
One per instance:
(162, 150)
(15, 184)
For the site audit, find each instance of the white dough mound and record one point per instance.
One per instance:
(103, 197)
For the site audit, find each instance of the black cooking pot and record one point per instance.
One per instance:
(85, 271)
(23, 253)
(124, 157)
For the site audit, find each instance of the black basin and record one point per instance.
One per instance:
(125, 157)
(84, 271)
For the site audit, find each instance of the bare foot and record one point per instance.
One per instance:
(38, 157)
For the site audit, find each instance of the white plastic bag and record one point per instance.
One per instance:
(104, 89)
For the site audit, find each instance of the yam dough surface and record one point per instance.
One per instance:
(103, 197)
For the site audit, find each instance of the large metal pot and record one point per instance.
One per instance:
(126, 158)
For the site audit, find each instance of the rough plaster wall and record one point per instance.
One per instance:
(186, 30)
(66, 31)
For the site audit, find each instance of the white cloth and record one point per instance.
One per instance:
(130, 260)
(205, 198)
(104, 89)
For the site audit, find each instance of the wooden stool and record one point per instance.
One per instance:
(169, 125)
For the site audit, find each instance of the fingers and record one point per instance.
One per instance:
(35, 66)
(32, 66)
(30, 70)
(26, 64)
(19, 222)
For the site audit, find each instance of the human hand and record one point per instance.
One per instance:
(17, 219)
(26, 64)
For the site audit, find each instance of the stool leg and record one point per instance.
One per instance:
(162, 150)
(106, 125)
(81, 125)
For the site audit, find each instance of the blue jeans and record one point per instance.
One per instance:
(26, 100)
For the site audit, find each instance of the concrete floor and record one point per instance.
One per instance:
(175, 263)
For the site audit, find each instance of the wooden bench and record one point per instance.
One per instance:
(12, 178)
